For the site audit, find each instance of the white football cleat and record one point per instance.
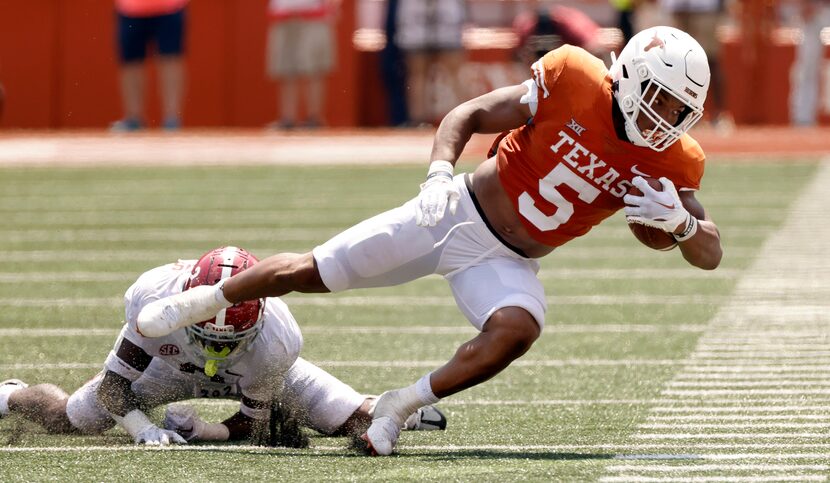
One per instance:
(6, 388)
(427, 418)
(164, 316)
(382, 436)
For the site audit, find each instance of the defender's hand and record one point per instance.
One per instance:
(144, 431)
(182, 419)
(154, 436)
(438, 193)
(658, 209)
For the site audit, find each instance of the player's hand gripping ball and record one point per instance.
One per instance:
(651, 237)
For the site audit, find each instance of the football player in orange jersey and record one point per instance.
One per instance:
(575, 138)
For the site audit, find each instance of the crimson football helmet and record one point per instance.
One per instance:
(226, 336)
(655, 61)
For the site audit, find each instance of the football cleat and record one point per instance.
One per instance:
(427, 418)
(6, 388)
(382, 436)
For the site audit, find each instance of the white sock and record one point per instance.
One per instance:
(403, 402)
(424, 388)
(5, 392)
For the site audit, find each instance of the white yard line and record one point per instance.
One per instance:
(449, 448)
(732, 408)
(743, 417)
(399, 364)
(711, 479)
(325, 329)
(817, 381)
(719, 467)
(605, 274)
(759, 345)
(390, 300)
(102, 256)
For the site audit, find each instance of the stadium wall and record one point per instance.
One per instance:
(58, 65)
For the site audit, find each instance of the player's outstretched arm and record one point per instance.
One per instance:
(182, 419)
(700, 244)
(117, 397)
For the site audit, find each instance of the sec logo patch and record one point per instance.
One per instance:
(169, 350)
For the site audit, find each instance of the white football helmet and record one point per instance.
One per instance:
(657, 60)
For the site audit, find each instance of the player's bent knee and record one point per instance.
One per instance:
(56, 421)
(515, 327)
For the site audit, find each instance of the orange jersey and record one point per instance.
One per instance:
(567, 170)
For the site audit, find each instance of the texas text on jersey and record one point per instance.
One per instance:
(570, 167)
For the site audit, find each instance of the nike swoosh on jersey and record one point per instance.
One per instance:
(639, 173)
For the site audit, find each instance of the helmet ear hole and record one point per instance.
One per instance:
(624, 72)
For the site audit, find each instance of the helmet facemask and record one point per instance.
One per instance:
(220, 344)
(663, 133)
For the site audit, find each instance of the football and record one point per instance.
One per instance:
(648, 236)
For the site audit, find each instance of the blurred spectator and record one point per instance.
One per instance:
(625, 17)
(141, 22)
(301, 52)
(700, 19)
(805, 73)
(429, 32)
(393, 68)
(543, 28)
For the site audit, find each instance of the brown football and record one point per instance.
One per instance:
(648, 236)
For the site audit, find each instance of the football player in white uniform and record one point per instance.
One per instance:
(248, 352)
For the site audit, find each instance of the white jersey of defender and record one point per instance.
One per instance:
(174, 375)
(255, 374)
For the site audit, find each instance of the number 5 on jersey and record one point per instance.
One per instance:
(560, 175)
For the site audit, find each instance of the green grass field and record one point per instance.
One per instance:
(622, 324)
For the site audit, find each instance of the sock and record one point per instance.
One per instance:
(5, 392)
(399, 404)
(424, 389)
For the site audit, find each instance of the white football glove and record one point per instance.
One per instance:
(144, 431)
(154, 436)
(438, 193)
(182, 419)
(658, 209)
